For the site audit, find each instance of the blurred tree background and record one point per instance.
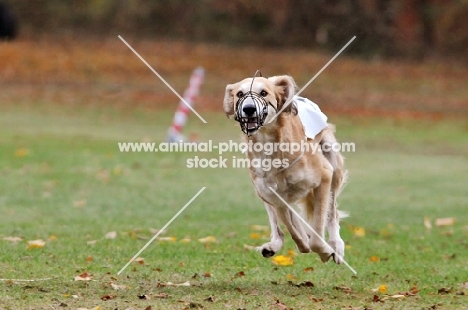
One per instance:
(387, 28)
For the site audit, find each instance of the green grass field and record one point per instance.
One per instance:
(65, 182)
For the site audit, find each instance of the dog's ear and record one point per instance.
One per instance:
(228, 103)
(285, 90)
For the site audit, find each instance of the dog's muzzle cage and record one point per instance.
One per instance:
(258, 118)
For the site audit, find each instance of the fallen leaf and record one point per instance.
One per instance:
(154, 231)
(382, 289)
(209, 299)
(306, 284)
(444, 290)
(118, 287)
(427, 223)
(447, 221)
(185, 240)
(376, 298)
(83, 277)
(239, 274)
(207, 239)
(397, 296)
(374, 258)
(280, 305)
(308, 269)
(140, 260)
(255, 236)
(343, 289)
(111, 235)
(161, 295)
(21, 152)
(207, 275)
(315, 299)
(260, 227)
(249, 247)
(359, 231)
(291, 253)
(89, 259)
(15, 240)
(194, 305)
(148, 308)
(144, 297)
(36, 244)
(80, 203)
(187, 283)
(107, 297)
(168, 239)
(282, 260)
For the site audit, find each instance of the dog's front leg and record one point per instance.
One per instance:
(276, 238)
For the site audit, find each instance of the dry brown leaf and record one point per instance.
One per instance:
(345, 289)
(168, 239)
(145, 297)
(447, 221)
(107, 297)
(80, 203)
(396, 296)
(315, 299)
(187, 283)
(118, 287)
(15, 240)
(111, 235)
(209, 299)
(249, 247)
(207, 239)
(85, 276)
(260, 228)
(427, 223)
(281, 306)
(140, 260)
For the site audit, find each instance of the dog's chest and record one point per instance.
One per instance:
(291, 187)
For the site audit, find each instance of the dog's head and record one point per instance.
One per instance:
(254, 102)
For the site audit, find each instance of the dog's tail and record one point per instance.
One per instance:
(334, 157)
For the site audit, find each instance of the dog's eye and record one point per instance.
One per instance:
(240, 94)
(263, 93)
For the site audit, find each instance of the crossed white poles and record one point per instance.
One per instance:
(203, 120)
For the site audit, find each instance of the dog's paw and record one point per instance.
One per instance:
(268, 249)
(338, 246)
(324, 251)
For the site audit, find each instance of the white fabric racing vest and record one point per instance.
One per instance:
(312, 118)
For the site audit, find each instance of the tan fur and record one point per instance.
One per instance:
(313, 182)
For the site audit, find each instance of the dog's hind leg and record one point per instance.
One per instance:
(296, 229)
(276, 238)
(334, 238)
(320, 206)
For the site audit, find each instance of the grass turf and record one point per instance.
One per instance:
(64, 181)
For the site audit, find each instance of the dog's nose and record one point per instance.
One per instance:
(249, 109)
